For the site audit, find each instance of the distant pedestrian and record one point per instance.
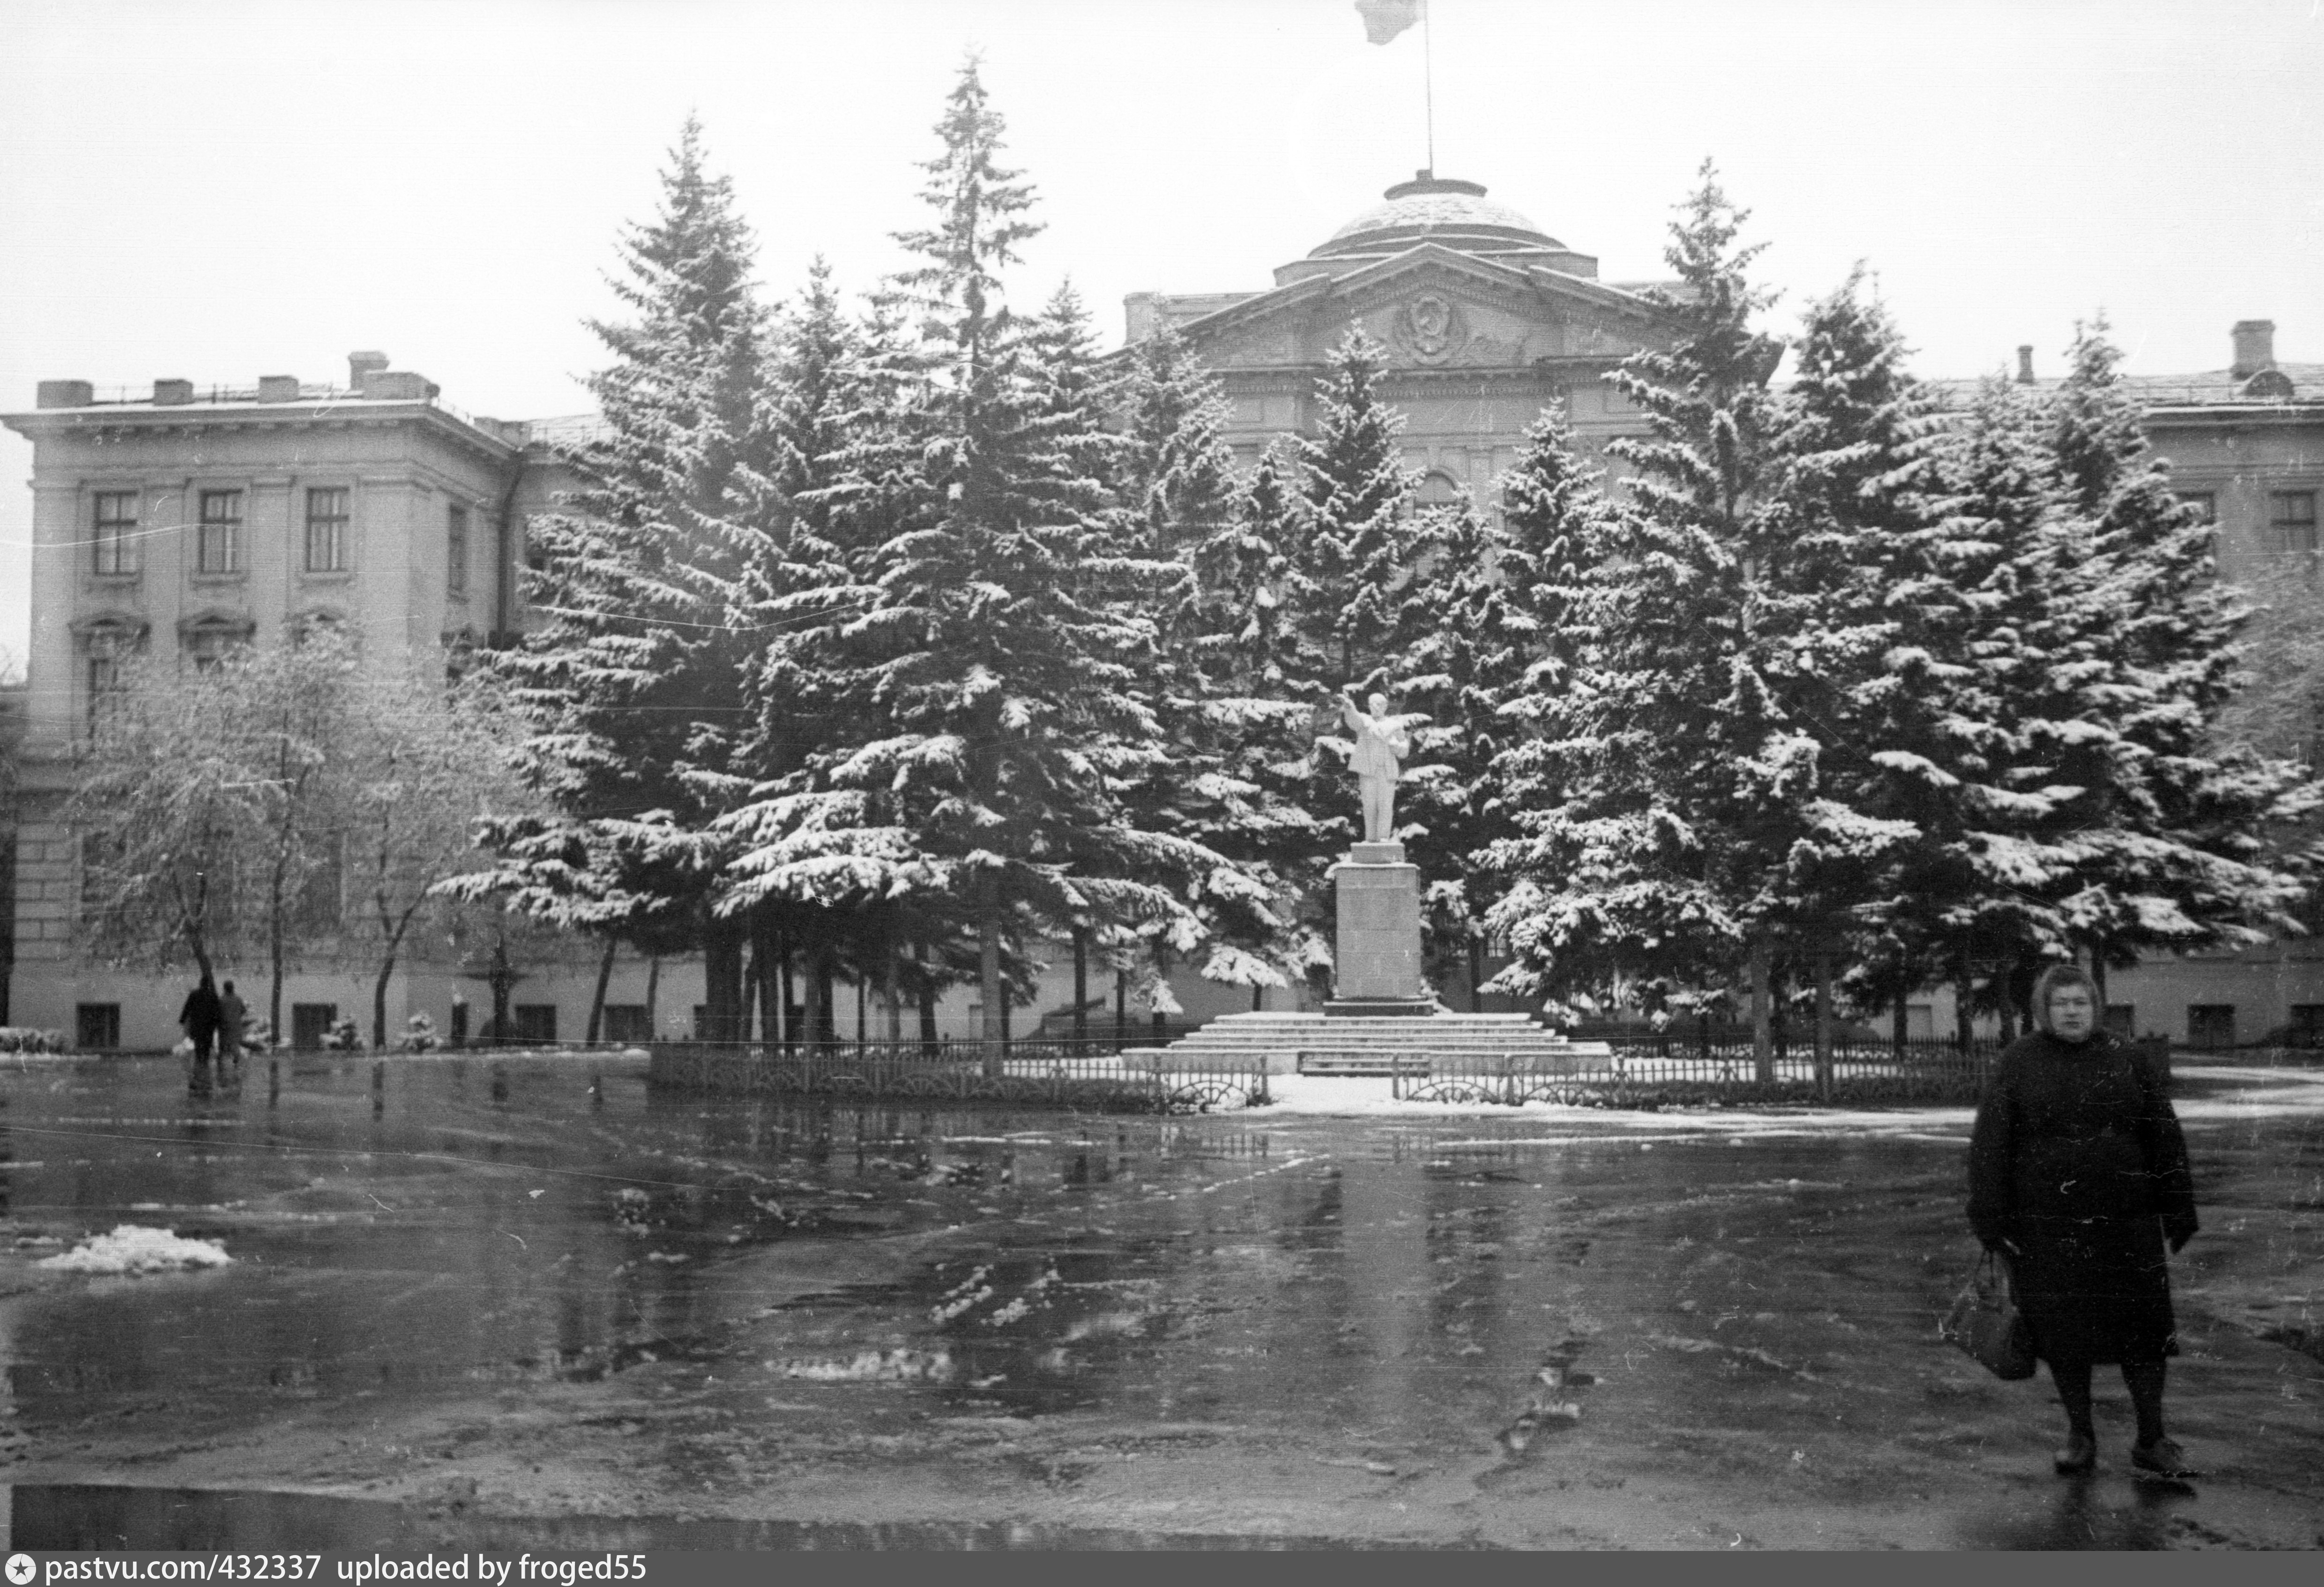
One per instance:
(2078, 1174)
(201, 1018)
(232, 1016)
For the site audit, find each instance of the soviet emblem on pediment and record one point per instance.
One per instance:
(1431, 327)
(1435, 331)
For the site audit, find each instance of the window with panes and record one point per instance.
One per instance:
(2291, 521)
(455, 551)
(217, 544)
(209, 644)
(326, 529)
(116, 535)
(105, 649)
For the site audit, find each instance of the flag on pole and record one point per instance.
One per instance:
(1384, 19)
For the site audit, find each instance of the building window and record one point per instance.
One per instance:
(2205, 502)
(117, 531)
(326, 530)
(535, 1023)
(322, 894)
(2211, 1025)
(96, 858)
(105, 648)
(2291, 521)
(2120, 1019)
(626, 1022)
(206, 641)
(308, 625)
(104, 684)
(217, 544)
(2307, 1028)
(455, 552)
(97, 1026)
(311, 1023)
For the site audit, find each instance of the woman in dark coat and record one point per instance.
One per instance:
(202, 1016)
(2077, 1173)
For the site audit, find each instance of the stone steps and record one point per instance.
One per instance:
(1314, 1044)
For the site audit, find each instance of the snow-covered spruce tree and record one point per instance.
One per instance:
(2073, 803)
(1970, 894)
(1467, 661)
(1686, 780)
(2170, 838)
(634, 676)
(1490, 661)
(998, 663)
(1177, 481)
(1552, 512)
(1236, 626)
(1179, 499)
(1362, 542)
(803, 898)
(1856, 586)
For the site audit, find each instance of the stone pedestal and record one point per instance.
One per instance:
(1378, 945)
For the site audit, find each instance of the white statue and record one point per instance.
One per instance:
(1378, 742)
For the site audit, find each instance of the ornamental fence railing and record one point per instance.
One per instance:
(1653, 1072)
(1105, 1074)
(1098, 1075)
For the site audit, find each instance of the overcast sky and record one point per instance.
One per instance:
(217, 191)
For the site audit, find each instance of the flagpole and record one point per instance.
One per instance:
(1428, 80)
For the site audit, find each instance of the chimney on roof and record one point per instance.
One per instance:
(2255, 347)
(360, 363)
(2024, 364)
(64, 394)
(278, 388)
(170, 393)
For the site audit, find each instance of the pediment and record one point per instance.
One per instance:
(1434, 308)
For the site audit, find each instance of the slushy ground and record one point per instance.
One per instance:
(527, 1299)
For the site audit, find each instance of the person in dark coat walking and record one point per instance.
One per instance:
(2077, 1174)
(202, 1017)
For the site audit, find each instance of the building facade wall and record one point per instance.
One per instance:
(404, 462)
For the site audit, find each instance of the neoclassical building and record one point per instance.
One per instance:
(1488, 321)
(180, 520)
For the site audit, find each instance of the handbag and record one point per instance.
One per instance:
(1985, 1322)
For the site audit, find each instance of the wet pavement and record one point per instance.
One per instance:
(527, 1299)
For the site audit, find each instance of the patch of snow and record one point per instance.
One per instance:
(874, 1366)
(135, 1250)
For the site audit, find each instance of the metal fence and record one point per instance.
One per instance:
(1090, 1075)
(1653, 1072)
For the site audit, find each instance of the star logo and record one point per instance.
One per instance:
(22, 1568)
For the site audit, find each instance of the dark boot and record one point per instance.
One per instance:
(2079, 1455)
(2163, 1460)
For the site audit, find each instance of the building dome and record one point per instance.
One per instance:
(1437, 210)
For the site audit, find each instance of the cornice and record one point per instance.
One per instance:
(1300, 378)
(2237, 416)
(127, 422)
